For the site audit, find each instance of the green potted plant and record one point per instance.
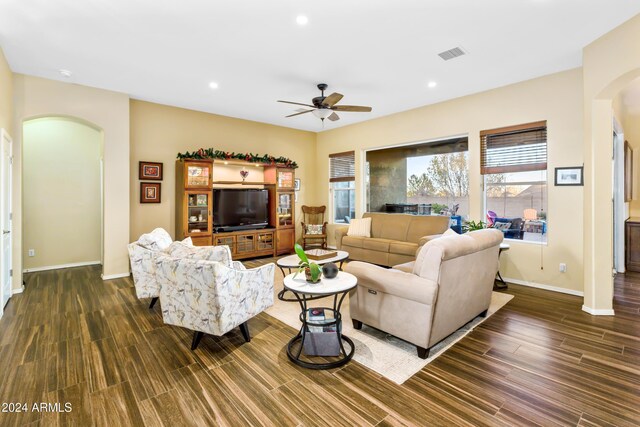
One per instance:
(468, 226)
(311, 270)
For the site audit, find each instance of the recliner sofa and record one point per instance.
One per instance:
(423, 302)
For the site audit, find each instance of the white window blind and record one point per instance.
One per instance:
(342, 167)
(518, 148)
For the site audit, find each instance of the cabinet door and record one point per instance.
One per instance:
(245, 244)
(225, 240)
(198, 213)
(197, 174)
(264, 241)
(285, 209)
(285, 240)
(632, 246)
(284, 178)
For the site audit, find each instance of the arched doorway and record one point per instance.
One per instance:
(599, 226)
(62, 203)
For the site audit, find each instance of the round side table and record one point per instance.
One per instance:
(499, 283)
(304, 292)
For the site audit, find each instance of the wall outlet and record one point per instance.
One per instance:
(32, 252)
(563, 267)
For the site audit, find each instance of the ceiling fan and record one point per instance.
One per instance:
(324, 107)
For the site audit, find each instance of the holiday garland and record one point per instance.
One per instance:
(210, 153)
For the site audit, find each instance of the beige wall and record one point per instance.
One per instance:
(609, 64)
(62, 198)
(6, 95)
(556, 98)
(159, 133)
(36, 97)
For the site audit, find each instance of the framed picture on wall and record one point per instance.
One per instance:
(149, 192)
(569, 176)
(296, 184)
(150, 171)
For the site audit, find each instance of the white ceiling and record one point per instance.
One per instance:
(380, 53)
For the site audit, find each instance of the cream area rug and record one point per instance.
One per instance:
(391, 357)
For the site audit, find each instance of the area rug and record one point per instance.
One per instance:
(389, 356)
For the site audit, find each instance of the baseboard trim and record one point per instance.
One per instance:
(545, 287)
(61, 266)
(114, 276)
(17, 291)
(598, 311)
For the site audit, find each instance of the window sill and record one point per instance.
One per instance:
(526, 242)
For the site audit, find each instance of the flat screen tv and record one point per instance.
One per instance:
(235, 209)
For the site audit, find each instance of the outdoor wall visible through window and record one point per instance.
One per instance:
(342, 187)
(430, 178)
(514, 165)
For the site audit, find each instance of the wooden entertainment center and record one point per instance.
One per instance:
(195, 181)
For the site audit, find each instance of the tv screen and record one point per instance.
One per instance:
(234, 208)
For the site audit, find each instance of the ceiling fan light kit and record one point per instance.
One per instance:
(324, 107)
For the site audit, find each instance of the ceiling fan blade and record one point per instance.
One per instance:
(332, 99)
(333, 117)
(353, 108)
(297, 114)
(297, 103)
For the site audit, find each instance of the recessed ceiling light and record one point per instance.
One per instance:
(65, 73)
(213, 85)
(302, 20)
(431, 85)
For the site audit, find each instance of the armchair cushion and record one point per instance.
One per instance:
(314, 229)
(157, 240)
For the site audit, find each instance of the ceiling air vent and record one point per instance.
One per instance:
(452, 53)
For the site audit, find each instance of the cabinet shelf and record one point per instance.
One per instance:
(241, 182)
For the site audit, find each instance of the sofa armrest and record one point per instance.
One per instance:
(424, 239)
(340, 232)
(394, 282)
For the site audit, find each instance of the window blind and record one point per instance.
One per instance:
(342, 166)
(519, 148)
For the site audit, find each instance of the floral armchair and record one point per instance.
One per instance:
(145, 253)
(211, 297)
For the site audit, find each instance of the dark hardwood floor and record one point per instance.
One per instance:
(72, 338)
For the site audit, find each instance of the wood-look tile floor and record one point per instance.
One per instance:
(72, 338)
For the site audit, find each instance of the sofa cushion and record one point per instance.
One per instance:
(407, 267)
(426, 226)
(157, 240)
(374, 244)
(360, 227)
(353, 241)
(404, 248)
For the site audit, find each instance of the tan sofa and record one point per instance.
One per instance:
(423, 302)
(395, 238)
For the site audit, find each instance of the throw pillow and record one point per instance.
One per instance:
(157, 240)
(188, 241)
(502, 226)
(360, 227)
(314, 229)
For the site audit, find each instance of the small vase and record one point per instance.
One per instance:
(307, 275)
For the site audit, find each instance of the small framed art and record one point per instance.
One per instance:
(149, 192)
(150, 171)
(296, 184)
(569, 176)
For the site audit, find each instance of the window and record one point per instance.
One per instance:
(427, 178)
(342, 186)
(513, 161)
